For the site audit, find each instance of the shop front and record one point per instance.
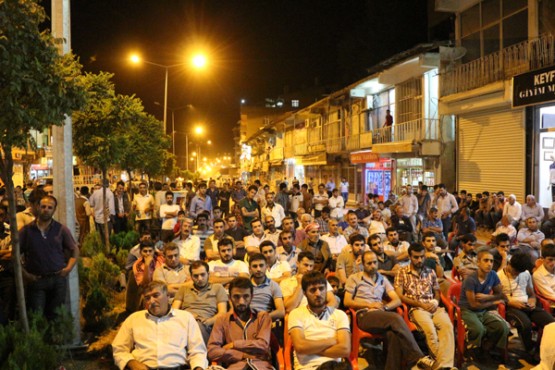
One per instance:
(376, 173)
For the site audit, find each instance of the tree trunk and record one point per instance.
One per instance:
(130, 186)
(106, 213)
(6, 169)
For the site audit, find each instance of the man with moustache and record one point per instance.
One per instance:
(350, 260)
(226, 268)
(273, 209)
(319, 333)
(172, 272)
(387, 266)
(417, 286)
(241, 338)
(364, 292)
(159, 337)
(204, 300)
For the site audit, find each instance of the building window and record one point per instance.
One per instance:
(492, 25)
(295, 103)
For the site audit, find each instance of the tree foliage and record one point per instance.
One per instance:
(38, 88)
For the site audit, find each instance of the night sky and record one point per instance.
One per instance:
(256, 48)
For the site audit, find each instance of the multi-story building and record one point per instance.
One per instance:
(498, 84)
(345, 134)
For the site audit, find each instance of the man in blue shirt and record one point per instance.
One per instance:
(480, 293)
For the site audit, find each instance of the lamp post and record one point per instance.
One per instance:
(199, 62)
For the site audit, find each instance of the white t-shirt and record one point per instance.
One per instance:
(278, 269)
(515, 289)
(233, 268)
(168, 223)
(315, 328)
(336, 204)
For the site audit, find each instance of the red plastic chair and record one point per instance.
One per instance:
(356, 336)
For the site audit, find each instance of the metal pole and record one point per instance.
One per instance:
(173, 133)
(166, 101)
(187, 151)
(198, 154)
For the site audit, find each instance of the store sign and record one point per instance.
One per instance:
(534, 87)
(364, 157)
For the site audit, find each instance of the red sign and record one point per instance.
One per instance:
(364, 157)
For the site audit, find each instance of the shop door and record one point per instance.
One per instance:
(491, 152)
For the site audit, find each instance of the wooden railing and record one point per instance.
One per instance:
(498, 66)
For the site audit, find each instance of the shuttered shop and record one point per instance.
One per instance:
(491, 152)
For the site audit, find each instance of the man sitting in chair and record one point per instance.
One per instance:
(319, 333)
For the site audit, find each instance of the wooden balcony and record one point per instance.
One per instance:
(502, 65)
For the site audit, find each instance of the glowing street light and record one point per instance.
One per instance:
(199, 62)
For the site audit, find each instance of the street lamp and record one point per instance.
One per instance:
(199, 62)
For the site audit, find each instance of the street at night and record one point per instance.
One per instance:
(292, 185)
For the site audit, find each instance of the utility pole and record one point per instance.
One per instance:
(62, 144)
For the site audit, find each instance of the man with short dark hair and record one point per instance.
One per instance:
(252, 242)
(354, 227)
(204, 300)
(287, 251)
(168, 214)
(122, 207)
(159, 337)
(143, 206)
(522, 307)
(273, 209)
(417, 286)
(249, 208)
(277, 270)
(350, 260)
(241, 338)
(365, 292)
(396, 248)
(544, 276)
(267, 293)
(271, 232)
(387, 265)
(211, 243)
(238, 233)
(465, 263)
(226, 268)
(189, 245)
(200, 203)
(44, 244)
(320, 200)
(172, 272)
(319, 333)
(482, 291)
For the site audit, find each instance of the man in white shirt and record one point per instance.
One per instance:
(189, 245)
(295, 200)
(320, 200)
(544, 276)
(143, 206)
(447, 206)
(319, 333)
(99, 204)
(409, 204)
(277, 269)
(336, 205)
(273, 209)
(530, 238)
(513, 210)
(226, 268)
(159, 337)
(335, 240)
(252, 242)
(168, 214)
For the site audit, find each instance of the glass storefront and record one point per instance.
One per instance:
(410, 171)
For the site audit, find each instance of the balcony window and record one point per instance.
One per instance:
(492, 25)
(295, 103)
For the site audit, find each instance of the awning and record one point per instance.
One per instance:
(405, 146)
(312, 160)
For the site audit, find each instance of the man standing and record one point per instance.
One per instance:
(409, 205)
(336, 204)
(200, 202)
(320, 200)
(241, 339)
(447, 206)
(364, 292)
(307, 199)
(168, 214)
(159, 337)
(330, 185)
(282, 197)
(83, 211)
(122, 207)
(344, 187)
(249, 208)
(213, 193)
(45, 243)
(205, 301)
(273, 209)
(417, 286)
(143, 205)
(295, 200)
(319, 333)
(101, 205)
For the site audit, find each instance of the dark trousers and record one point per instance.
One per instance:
(142, 226)
(401, 346)
(446, 222)
(47, 294)
(523, 319)
(7, 298)
(120, 224)
(100, 229)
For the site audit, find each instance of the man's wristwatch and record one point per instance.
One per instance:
(385, 308)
